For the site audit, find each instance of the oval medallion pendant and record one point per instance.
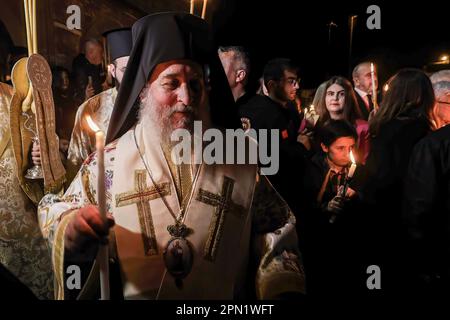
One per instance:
(178, 258)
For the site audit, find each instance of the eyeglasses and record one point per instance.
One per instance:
(293, 82)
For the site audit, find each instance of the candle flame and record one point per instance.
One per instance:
(92, 124)
(371, 67)
(386, 87)
(352, 158)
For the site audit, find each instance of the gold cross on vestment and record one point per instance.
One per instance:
(223, 204)
(141, 195)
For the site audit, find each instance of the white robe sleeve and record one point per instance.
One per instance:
(280, 269)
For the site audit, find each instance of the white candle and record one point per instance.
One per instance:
(351, 172)
(205, 3)
(191, 11)
(100, 147)
(374, 91)
(102, 256)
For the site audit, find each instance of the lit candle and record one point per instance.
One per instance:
(191, 11)
(352, 167)
(374, 90)
(102, 256)
(306, 110)
(205, 3)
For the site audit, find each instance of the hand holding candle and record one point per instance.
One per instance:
(343, 191)
(102, 257)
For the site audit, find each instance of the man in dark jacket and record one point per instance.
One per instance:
(88, 71)
(426, 213)
(273, 112)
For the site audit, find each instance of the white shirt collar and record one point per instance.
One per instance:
(360, 92)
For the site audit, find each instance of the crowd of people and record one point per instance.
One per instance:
(362, 181)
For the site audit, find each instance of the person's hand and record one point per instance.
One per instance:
(305, 140)
(63, 145)
(89, 92)
(85, 232)
(336, 205)
(36, 154)
(350, 193)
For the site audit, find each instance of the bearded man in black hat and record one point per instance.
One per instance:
(186, 230)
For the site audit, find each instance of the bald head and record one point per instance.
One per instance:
(362, 78)
(441, 87)
(443, 75)
(357, 69)
(93, 51)
(441, 83)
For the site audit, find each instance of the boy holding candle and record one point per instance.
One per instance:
(330, 221)
(329, 169)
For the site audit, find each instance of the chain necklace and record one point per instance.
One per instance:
(178, 256)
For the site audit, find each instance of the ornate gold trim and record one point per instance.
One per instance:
(223, 203)
(141, 195)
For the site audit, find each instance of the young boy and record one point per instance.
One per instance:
(329, 222)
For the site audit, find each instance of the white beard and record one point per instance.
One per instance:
(159, 118)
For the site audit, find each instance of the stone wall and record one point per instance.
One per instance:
(59, 44)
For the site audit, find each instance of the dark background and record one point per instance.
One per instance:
(412, 34)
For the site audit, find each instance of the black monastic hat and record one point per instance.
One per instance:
(119, 43)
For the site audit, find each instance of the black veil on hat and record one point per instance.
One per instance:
(119, 43)
(159, 38)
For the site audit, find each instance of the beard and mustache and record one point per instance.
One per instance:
(164, 119)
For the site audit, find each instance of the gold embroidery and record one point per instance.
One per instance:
(141, 195)
(87, 186)
(58, 254)
(223, 204)
(23, 250)
(182, 177)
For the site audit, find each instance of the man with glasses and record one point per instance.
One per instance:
(277, 112)
(427, 201)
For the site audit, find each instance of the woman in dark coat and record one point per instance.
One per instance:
(401, 121)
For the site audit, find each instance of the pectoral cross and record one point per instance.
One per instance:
(141, 196)
(223, 205)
